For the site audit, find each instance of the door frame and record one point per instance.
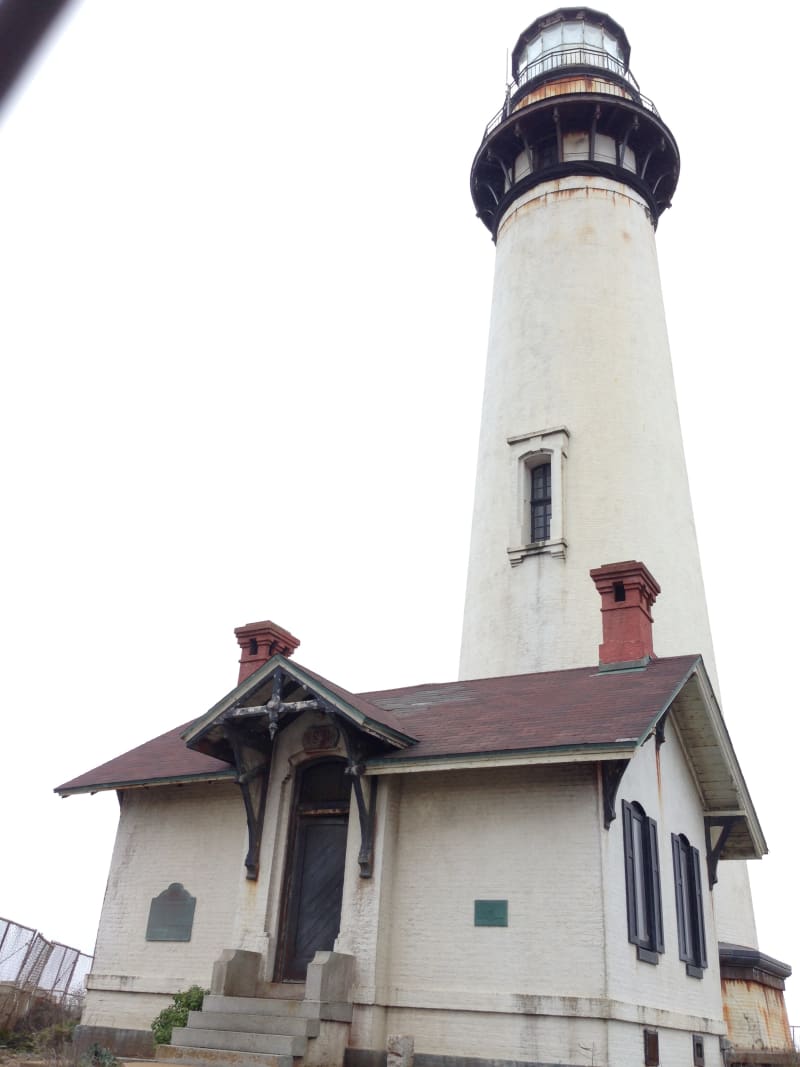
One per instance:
(338, 810)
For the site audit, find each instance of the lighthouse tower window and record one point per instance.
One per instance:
(541, 501)
(537, 492)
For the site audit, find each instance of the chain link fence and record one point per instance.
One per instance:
(31, 966)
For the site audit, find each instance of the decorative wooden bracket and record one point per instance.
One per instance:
(661, 730)
(612, 772)
(252, 777)
(725, 824)
(366, 809)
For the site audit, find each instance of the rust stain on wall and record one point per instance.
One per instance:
(755, 1015)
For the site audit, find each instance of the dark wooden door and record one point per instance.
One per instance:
(313, 893)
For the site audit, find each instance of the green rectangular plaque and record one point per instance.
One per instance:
(171, 915)
(491, 913)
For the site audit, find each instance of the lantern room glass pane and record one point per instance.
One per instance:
(573, 33)
(551, 37)
(592, 35)
(611, 45)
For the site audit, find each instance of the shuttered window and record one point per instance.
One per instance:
(689, 905)
(642, 882)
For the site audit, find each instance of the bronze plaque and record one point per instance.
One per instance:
(171, 915)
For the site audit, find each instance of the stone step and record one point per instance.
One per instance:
(262, 1006)
(307, 1009)
(291, 1025)
(187, 1056)
(239, 1041)
(287, 990)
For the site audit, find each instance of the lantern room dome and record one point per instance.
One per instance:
(572, 30)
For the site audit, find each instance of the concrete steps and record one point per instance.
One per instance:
(239, 1040)
(267, 1031)
(187, 1056)
(258, 1023)
(286, 1007)
(264, 1006)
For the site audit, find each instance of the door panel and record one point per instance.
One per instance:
(312, 904)
(315, 902)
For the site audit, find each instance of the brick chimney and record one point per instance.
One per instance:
(628, 591)
(260, 640)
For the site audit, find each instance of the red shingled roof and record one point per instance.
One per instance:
(554, 710)
(165, 758)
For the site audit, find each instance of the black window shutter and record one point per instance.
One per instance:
(655, 876)
(679, 897)
(630, 872)
(698, 903)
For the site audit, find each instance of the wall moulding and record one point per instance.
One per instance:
(527, 451)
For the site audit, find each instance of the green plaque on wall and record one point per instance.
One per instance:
(491, 913)
(171, 915)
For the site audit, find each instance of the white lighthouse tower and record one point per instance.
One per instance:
(581, 460)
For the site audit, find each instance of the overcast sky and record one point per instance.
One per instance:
(245, 310)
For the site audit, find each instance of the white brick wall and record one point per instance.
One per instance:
(663, 785)
(525, 835)
(561, 979)
(547, 983)
(195, 835)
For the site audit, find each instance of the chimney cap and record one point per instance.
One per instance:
(259, 641)
(251, 629)
(631, 571)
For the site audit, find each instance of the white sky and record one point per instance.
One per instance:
(245, 309)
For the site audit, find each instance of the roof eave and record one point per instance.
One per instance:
(410, 764)
(144, 783)
(670, 700)
(717, 724)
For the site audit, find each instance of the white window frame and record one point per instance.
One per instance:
(527, 451)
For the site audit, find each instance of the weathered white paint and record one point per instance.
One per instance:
(553, 979)
(560, 978)
(662, 783)
(195, 835)
(578, 339)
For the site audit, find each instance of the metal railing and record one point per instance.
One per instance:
(30, 964)
(580, 56)
(571, 57)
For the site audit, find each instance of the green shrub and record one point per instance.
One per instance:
(55, 1041)
(177, 1014)
(98, 1056)
(16, 1040)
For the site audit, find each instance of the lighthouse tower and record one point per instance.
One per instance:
(580, 460)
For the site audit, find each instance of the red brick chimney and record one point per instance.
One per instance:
(628, 591)
(260, 640)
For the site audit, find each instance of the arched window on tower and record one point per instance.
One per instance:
(536, 515)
